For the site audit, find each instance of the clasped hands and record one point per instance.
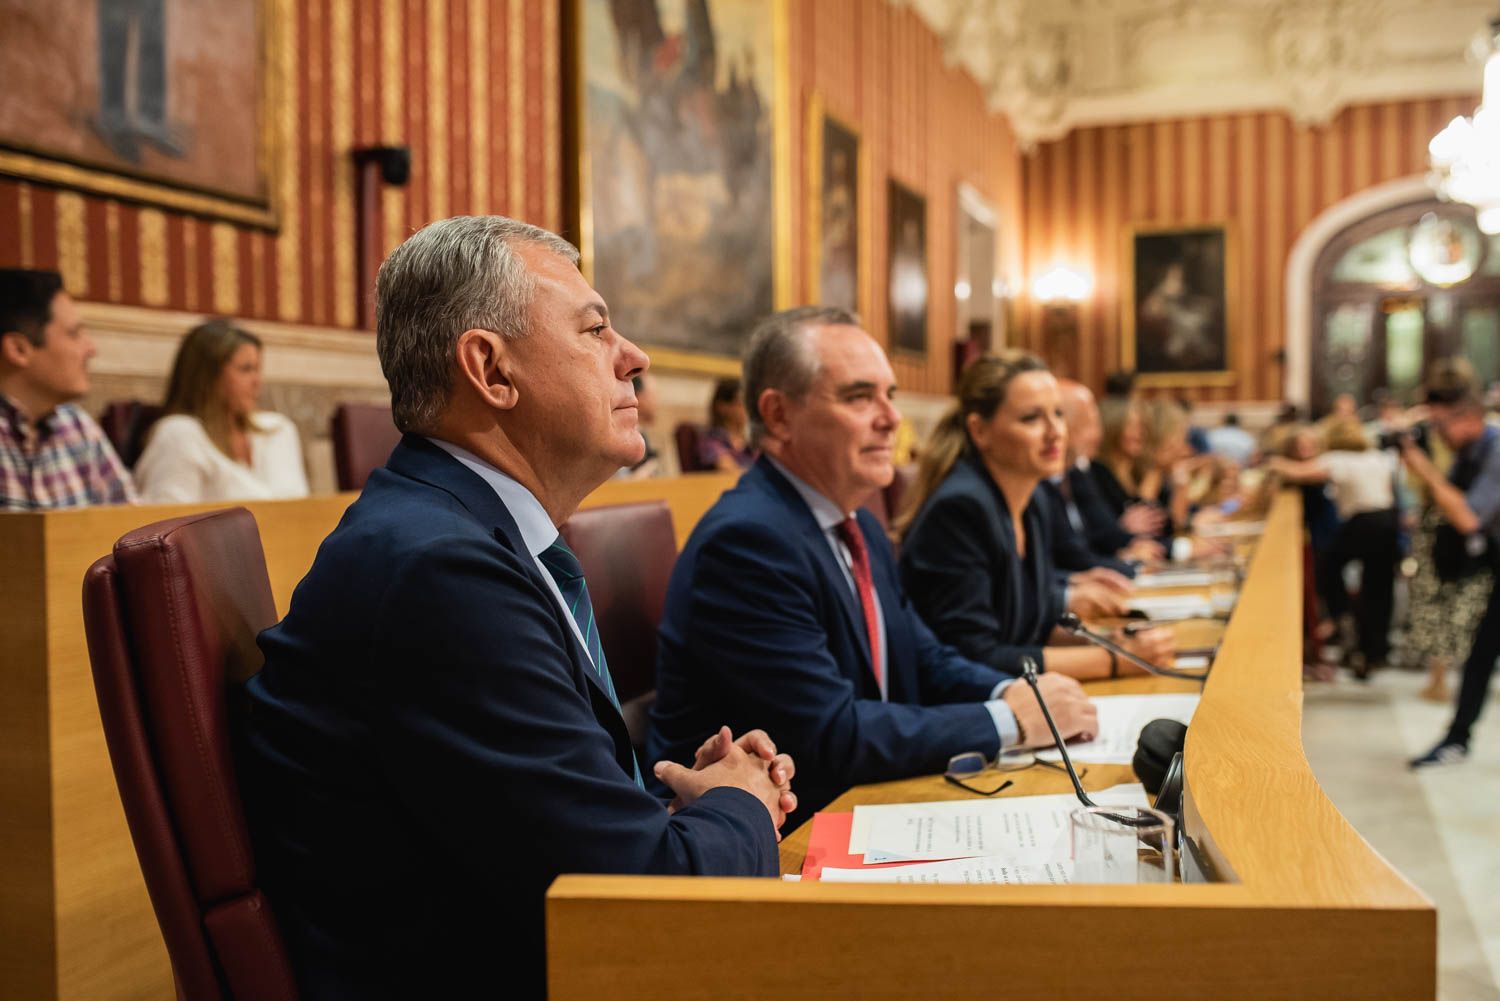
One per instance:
(750, 763)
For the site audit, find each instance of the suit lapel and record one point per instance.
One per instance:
(420, 459)
(834, 580)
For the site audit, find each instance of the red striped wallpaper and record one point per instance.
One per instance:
(1263, 175)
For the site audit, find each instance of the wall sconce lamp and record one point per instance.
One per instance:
(1059, 290)
(374, 166)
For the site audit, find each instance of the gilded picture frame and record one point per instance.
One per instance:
(679, 327)
(169, 147)
(836, 254)
(1178, 304)
(908, 271)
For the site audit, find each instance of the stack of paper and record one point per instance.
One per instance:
(1172, 607)
(1121, 719)
(1173, 578)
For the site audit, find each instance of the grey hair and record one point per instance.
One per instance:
(781, 355)
(450, 276)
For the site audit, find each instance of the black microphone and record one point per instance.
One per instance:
(1073, 624)
(1028, 671)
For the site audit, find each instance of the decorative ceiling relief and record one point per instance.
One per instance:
(1053, 65)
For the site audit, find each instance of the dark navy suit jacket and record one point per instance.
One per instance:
(1101, 520)
(428, 746)
(959, 562)
(762, 629)
(1069, 547)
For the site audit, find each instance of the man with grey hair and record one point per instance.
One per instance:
(785, 604)
(435, 735)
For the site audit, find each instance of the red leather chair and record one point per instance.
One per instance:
(363, 438)
(875, 504)
(898, 488)
(689, 455)
(125, 423)
(627, 552)
(171, 617)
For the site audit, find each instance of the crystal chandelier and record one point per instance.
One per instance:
(1465, 156)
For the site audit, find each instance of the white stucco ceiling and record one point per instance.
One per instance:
(1051, 65)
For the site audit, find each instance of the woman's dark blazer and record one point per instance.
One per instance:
(960, 568)
(1118, 497)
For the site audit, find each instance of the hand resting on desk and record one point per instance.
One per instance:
(1071, 710)
(750, 763)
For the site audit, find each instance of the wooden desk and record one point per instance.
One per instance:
(75, 920)
(1308, 909)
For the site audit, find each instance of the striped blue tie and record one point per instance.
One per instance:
(568, 573)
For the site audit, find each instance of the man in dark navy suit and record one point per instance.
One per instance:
(785, 605)
(1132, 536)
(435, 735)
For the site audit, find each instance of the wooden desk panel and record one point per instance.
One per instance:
(75, 919)
(1311, 911)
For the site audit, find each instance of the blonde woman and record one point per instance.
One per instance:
(975, 557)
(212, 444)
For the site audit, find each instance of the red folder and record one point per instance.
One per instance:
(828, 845)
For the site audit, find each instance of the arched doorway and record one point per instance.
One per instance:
(1397, 290)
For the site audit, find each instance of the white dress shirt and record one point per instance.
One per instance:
(537, 530)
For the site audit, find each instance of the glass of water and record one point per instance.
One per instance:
(1122, 844)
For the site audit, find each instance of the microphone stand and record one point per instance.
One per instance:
(1073, 624)
(1028, 671)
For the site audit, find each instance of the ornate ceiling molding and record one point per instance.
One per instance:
(1053, 65)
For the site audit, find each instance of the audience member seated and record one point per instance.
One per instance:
(723, 445)
(785, 605)
(1232, 442)
(52, 454)
(645, 408)
(211, 443)
(1361, 482)
(974, 559)
(435, 735)
(1119, 467)
(1128, 538)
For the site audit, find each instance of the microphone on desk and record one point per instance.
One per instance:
(1028, 671)
(1073, 624)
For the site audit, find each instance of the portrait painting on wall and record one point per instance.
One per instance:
(676, 186)
(1176, 317)
(161, 101)
(833, 210)
(906, 244)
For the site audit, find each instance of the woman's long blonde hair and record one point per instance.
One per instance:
(193, 388)
(1114, 413)
(981, 390)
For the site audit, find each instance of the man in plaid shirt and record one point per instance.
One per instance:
(51, 453)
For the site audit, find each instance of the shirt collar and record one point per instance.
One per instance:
(536, 528)
(20, 422)
(825, 511)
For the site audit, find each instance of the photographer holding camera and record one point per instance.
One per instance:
(1469, 543)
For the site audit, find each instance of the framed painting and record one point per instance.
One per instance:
(165, 102)
(1180, 296)
(681, 135)
(907, 285)
(835, 176)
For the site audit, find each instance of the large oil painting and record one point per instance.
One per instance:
(156, 100)
(677, 187)
(906, 249)
(1176, 320)
(833, 186)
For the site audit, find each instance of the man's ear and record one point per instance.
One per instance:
(486, 363)
(15, 349)
(773, 413)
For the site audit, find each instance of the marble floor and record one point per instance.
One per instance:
(1441, 826)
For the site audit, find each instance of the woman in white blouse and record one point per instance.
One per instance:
(211, 444)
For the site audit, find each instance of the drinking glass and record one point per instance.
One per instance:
(1122, 844)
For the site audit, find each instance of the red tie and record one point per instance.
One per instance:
(860, 558)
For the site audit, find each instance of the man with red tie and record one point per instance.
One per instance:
(785, 607)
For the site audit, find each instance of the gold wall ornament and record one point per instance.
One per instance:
(151, 237)
(345, 293)
(226, 274)
(72, 243)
